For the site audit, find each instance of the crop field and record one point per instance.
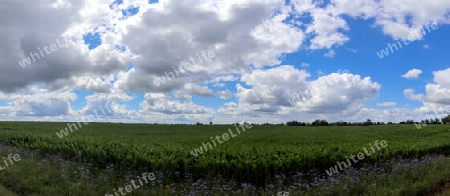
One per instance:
(262, 160)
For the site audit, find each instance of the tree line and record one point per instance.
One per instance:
(319, 122)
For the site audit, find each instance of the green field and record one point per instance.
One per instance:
(258, 156)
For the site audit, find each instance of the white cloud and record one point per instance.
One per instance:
(330, 53)
(387, 104)
(442, 78)
(391, 15)
(326, 28)
(412, 74)
(224, 78)
(198, 90)
(166, 105)
(276, 90)
(409, 93)
(225, 94)
(435, 93)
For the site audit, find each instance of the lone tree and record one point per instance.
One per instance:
(446, 120)
(368, 122)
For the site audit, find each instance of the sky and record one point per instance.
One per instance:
(224, 61)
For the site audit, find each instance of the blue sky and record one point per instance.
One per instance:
(273, 61)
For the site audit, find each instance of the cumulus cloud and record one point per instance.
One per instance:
(32, 34)
(392, 16)
(412, 74)
(159, 107)
(285, 89)
(437, 94)
(409, 93)
(442, 78)
(34, 102)
(439, 91)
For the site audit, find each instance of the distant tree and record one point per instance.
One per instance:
(437, 121)
(368, 122)
(431, 121)
(323, 123)
(210, 123)
(409, 122)
(446, 120)
(341, 123)
(198, 123)
(316, 122)
(293, 123)
(359, 124)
